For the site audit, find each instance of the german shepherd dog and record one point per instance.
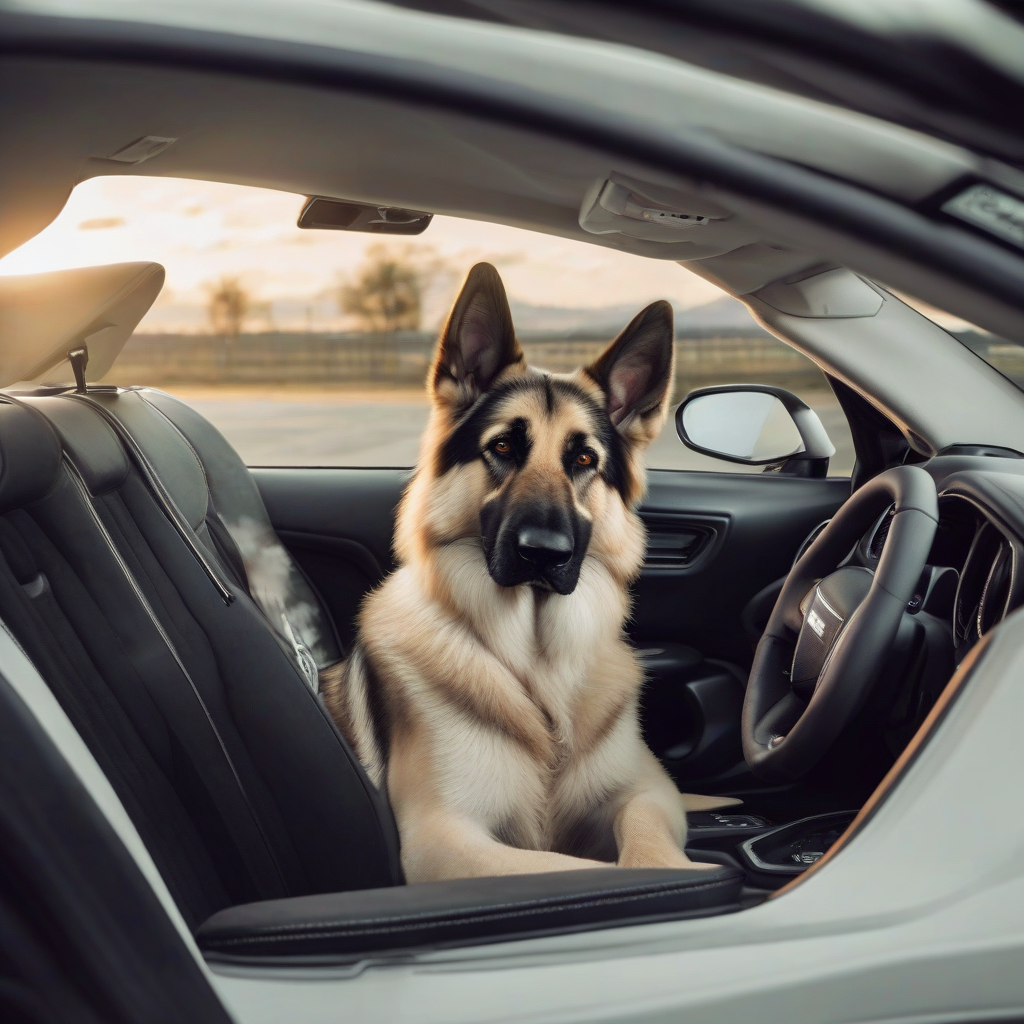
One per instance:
(491, 692)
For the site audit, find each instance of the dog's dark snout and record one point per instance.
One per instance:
(544, 548)
(537, 544)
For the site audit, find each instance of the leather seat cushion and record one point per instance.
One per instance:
(345, 926)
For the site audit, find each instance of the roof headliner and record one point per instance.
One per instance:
(70, 115)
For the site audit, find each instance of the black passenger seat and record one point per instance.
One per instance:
(123, 577)
(244, 786)
(199, 470)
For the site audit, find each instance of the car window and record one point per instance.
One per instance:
(311, 347)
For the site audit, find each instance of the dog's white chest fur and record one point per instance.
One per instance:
(543, 654)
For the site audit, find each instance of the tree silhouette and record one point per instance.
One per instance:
(227, 307)
(387, 294)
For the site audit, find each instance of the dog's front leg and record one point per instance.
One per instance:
(649, 835)
(650, 823)
(441, 842)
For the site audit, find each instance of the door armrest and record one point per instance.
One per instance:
(346, 926)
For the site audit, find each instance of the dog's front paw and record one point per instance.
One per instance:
(664, 858)
(700, 802)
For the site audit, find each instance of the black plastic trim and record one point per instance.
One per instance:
(351, 550)
(710, 531)
(751, 848)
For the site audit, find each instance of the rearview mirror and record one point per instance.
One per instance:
(341, 215)
(757, 425)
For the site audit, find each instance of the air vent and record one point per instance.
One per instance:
(983, 594)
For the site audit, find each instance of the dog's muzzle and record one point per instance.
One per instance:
(540, 546)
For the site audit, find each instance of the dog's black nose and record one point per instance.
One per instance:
(544, 548)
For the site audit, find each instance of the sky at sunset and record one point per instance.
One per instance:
(202, 231)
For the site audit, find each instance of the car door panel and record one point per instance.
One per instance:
(716, 539)
(758, 522)
(338, 525)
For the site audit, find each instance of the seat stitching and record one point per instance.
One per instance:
(467, 917)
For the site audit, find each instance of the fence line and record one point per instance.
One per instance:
(401, 359)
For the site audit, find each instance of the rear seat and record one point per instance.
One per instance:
(239, 781)
(124, 566)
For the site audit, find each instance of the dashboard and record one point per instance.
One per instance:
(971, 582)
(972, 579)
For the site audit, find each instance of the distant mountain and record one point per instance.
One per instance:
(725, 314)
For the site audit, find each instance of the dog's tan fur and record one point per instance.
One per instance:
(503, 721)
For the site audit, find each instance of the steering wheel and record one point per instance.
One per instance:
(831, 629)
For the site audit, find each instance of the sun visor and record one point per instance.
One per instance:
(44, 316)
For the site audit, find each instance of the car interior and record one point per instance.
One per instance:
(122, 579)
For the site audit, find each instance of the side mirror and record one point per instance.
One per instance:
(756, 425)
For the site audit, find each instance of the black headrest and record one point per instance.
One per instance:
(30, 457)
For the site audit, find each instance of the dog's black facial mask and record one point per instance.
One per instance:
(541, 546)
(544, 440)
(534, 538)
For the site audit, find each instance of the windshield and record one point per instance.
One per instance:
(1007, 357)
(311, 348)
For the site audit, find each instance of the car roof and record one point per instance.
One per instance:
(951, 67)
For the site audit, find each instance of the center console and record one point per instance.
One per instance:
(769, 854)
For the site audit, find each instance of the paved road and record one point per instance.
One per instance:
(321, 429)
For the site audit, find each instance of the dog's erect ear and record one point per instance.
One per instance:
(635, 372)
(477, 342)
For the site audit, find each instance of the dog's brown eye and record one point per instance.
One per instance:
(502, 447)
(584, 459)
